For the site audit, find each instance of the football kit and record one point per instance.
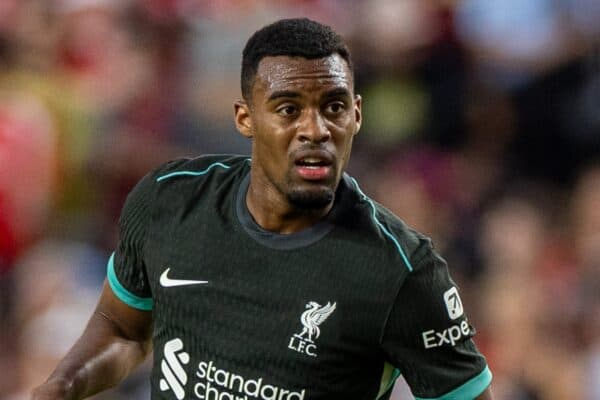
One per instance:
(335, 311)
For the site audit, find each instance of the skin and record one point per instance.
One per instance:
(116, 339)
(297, 106)
(318, 109)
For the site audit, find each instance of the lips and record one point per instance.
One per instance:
(313, 165)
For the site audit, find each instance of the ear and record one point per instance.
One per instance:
(243, 120)
(357, 112)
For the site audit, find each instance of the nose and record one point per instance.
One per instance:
(311, 128)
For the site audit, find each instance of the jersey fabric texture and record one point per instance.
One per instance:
(336, 311)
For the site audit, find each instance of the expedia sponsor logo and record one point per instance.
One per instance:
(449, 336)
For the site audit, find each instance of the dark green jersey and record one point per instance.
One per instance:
(336, 311)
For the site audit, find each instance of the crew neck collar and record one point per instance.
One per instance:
(274, 240)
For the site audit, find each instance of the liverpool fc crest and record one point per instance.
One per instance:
(315, 315)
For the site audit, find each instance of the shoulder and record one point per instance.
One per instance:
(206, 165)
(194, 172)
(385, 227)
(171, 180)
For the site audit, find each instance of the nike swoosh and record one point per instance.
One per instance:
(165, 281)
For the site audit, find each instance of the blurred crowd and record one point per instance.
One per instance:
(481, 129)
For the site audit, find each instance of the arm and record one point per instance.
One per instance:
(427, 335)
(115, 341)
(486, 395)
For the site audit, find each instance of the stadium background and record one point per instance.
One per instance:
(481, 129)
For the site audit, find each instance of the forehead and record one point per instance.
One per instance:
(297, 73)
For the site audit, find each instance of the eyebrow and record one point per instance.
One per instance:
(337, 92)
(283, 93)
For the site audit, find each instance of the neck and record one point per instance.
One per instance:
(273, 212)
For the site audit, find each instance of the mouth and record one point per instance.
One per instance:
(313, 165)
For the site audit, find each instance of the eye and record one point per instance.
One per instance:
(287, 110)
(335, 107)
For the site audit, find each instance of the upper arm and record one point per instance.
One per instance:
(429, 338)
(126, 299)
(126, 269)
(486, 395)
(130, 323)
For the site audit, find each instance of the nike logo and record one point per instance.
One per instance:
(165, 281)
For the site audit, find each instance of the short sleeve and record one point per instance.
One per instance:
(126, 271)
(429, 338)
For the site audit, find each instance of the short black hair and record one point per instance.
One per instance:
(296, 37)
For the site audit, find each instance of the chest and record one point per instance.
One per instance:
(312, 315)
(206, 269)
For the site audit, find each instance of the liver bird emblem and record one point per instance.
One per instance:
(313, 317)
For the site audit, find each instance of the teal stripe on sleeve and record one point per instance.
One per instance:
(388, 378)
(141, 303)
(469, 390)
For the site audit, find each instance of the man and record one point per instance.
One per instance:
(275, 277)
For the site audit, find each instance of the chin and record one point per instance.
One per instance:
(311, 199)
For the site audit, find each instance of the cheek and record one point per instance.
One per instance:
(271, 144)
(345, 138)
(347, 149)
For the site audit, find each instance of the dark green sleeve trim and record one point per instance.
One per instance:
(469, 390)
(141, 303)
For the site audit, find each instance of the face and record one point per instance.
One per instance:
(302, 118)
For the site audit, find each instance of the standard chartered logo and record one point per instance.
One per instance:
(174, 376)
(220, 384)
(214, 383)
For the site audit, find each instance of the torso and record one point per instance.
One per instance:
(280, 317)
